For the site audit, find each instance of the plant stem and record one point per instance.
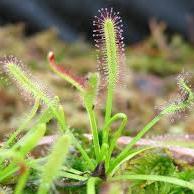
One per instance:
(72, 170)
(73, 176)
(109, 101)
(83, 152)
(94, 130)
(113, 168)
(115, 137)
(110, 121)
(24, 124)
(8, 173)
(125, 153)
(117, 134)
(22, 182)
(91, 185)
(165, 179)
(17, 158)
(107, 122)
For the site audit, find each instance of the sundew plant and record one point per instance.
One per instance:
(53, 172)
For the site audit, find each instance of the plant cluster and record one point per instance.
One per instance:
(51, 172)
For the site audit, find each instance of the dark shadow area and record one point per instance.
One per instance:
(73, 18)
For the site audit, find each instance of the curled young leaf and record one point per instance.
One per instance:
(77, 81)
(178, 105)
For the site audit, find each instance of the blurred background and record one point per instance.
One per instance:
(73, 18)
(159, 38)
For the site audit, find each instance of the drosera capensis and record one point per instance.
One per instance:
(110, 51)
(102, 165)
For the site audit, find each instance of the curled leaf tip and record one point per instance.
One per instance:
(51, 57)
(78, 81)
(179, 105)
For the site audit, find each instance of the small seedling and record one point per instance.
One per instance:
(53, 171)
